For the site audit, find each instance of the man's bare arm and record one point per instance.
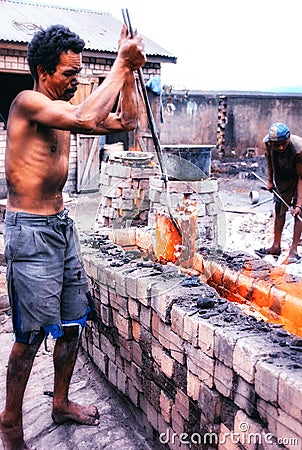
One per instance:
(93, 115)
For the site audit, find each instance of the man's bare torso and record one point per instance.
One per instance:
(36, 165)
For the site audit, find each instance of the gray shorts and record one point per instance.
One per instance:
(47, 284)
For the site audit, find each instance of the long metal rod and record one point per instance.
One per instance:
(154, 133)
(275, 193)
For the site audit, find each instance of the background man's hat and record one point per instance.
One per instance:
(277, 132)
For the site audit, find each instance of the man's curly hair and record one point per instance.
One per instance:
(47, 45)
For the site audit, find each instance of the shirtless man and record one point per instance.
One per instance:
(47, 285)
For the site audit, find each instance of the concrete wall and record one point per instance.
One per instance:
(191, 117)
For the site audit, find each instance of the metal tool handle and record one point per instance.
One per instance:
(150, 116)
(276, 194)
(153, 128)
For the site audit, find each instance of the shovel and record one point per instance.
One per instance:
(159, 151)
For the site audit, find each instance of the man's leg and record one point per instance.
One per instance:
(19, 367)
(65, 354)
(278, 229)
(296, 237)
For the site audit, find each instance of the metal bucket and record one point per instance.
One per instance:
(188, 162)
(254, 197)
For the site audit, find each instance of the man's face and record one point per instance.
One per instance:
(62, 84)
(280, 146)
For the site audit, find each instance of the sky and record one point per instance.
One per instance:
(219, 45)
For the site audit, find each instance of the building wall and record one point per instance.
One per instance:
(192, 117)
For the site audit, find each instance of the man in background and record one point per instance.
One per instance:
(284, 169)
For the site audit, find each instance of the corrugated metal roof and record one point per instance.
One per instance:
(100, 30)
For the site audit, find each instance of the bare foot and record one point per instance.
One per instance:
(83, 414)
(12, 436)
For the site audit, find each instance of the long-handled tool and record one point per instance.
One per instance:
(275, 193)
(152, 124)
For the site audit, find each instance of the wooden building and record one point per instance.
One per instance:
(100, 31)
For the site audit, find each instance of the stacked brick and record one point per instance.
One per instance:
(271, 292)
(11, 59)
(222, 121)
(198, 379)
(204, 193)
(124, 195)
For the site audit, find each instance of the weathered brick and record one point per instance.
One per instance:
(100, 360)
(210, 403)
(126, 349)
(276, 299)
(162, 298)
(152, 415)
(145, 317)
(136, 330)
(124, 236)
(133, 393)
(107, 347)
(268, 414)
(229, 280)
(182, 404)
(226, 441)
(191, 328)
(106, 315)
(166, 402)
(177, 348)
(224, 343)
(133, 308)
(118, 170)
(167, 365)
(288, 428)
(260, 293)
(124, 326)
(193, 385)
(206, 331)
(200, 364)
(137, 354)
(164, 334)
(267, 380)
(223, 379)
(244, 396)
(177, 421)
(136, 376)
(247, 351)
(121, 382)
(290, 392)
(177, 319)
(112, 373)
(247, 430)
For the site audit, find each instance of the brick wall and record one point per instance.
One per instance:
(200, 379)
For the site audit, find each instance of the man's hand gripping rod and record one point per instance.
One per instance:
(159, 152)
(276, 194)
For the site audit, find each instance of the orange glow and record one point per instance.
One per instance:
(168, 240)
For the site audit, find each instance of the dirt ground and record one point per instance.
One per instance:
(250, 227)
